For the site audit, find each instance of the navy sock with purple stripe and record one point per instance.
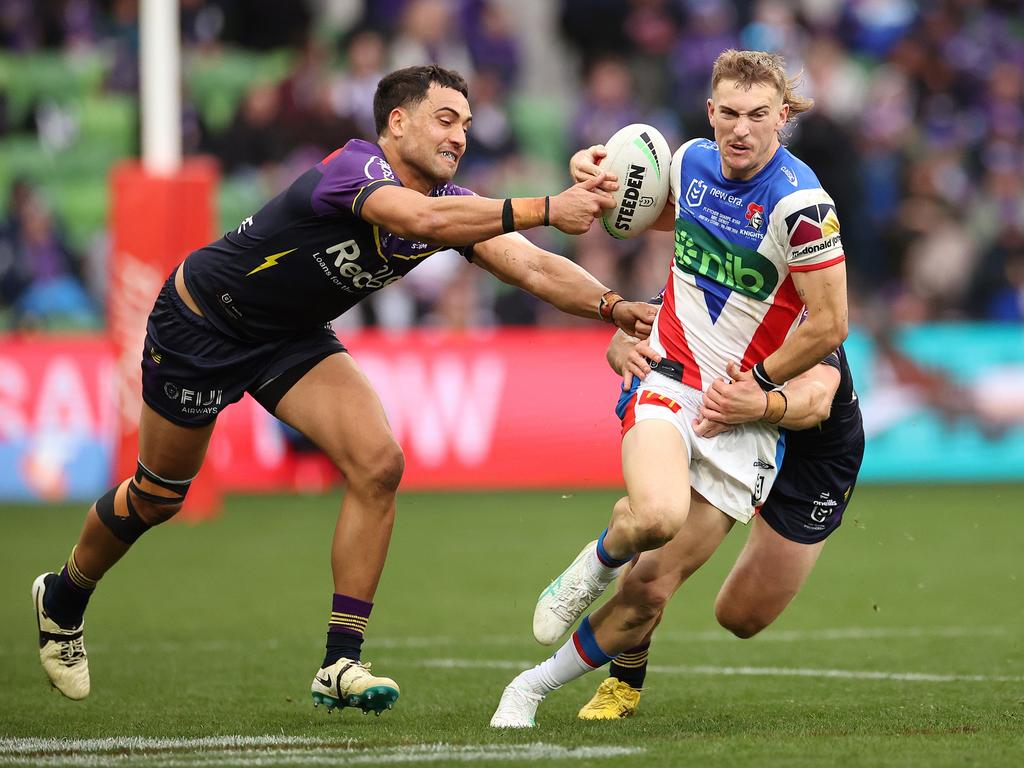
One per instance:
(631, 666)
(67, 594)
(345, 629)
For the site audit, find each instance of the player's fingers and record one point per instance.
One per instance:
(711, 411)
(642, 329)
(732, 370)
(639, 366)
(705, 427)
(627, 379)
(716, 392)
(594, 181)
(644, 348)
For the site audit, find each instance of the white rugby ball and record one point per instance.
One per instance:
(639, 155)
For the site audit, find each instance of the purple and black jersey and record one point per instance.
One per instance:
(307, 256)
(843, 430)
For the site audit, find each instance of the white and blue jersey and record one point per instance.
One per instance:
(730, 294)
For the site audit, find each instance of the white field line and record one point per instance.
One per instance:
(702, 636)
(270, 750)
(849, 674)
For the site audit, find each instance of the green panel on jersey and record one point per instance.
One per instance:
(740, 269)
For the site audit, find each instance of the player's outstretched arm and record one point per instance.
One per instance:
(465, 219)
(823, 291)
(806, 401)
(552, 278)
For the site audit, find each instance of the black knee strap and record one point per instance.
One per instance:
(127, 528)
(179, 487)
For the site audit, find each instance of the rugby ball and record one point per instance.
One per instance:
(639, 155)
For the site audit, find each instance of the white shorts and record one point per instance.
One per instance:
(735, 470)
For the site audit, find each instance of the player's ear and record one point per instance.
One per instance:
(783, 114)
(397, 121)
(711, 112)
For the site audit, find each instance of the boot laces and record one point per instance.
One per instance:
(72, 651)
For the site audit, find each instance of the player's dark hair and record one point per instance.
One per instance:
(408, 87)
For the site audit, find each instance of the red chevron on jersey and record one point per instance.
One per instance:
(778, 321)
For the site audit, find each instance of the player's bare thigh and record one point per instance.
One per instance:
(766, 577)
(171, 451)
(335, 406)
(655, 466)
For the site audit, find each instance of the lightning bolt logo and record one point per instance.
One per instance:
(270, 261)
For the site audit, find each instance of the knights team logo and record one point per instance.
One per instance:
(755, 216)
(171, 390)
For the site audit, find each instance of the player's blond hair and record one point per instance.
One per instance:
(748, 68)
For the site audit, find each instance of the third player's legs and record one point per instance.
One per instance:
(766, 577)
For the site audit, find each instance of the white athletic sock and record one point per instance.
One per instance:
(564, 666)
(599, 571)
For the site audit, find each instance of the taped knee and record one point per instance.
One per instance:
(116, 512)
(155, 499)
(137, 504)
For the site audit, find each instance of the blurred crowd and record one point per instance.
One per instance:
(917, 132)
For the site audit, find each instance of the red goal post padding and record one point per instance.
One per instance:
(155, 222)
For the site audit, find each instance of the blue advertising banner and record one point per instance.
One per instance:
(942, 402)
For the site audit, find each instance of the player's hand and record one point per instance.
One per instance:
(638, 363)
(574, 210)
(734, 402)
(635, 317)
(705, 427)
(585, 164)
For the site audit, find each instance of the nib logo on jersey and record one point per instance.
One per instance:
(722, 267)
(815, 227)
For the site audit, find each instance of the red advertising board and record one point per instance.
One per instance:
(498, 409)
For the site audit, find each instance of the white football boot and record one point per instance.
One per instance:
(348, 683)
(61, 651)
(567, 597)
(518, 706)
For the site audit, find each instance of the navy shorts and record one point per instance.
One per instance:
(191, 371)
(811, 493)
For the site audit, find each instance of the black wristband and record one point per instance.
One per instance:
(761, 377)
(508, 221)
(547, 210)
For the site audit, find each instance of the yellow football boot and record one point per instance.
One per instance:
(613, 700)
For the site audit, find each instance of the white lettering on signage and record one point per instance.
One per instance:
(440, 406)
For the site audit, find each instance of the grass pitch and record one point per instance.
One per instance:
(906, 647)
